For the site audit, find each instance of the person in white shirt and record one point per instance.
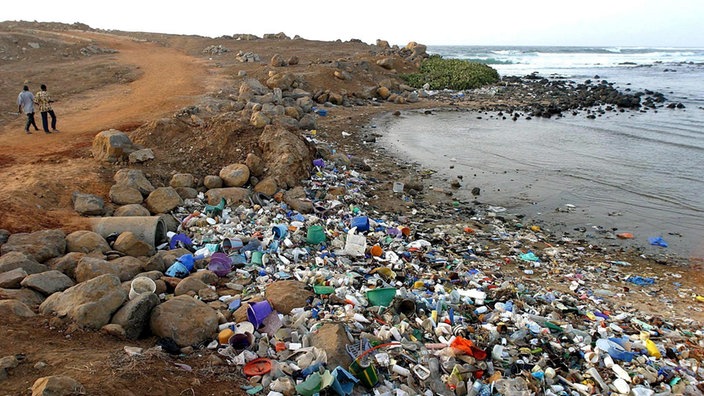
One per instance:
(25, 102)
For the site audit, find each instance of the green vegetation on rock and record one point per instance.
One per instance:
(455, 74)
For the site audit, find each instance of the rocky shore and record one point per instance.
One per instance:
(287, 217)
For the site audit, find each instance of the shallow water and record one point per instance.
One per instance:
(641, 173)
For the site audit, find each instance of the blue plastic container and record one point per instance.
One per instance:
(361, 222)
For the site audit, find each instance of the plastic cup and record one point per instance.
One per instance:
(241, 341)
(257, 257)
(398, 187)
(407, 307)
(231, 244)
(376, 251)
(280, 231)
(315, 235)
(258, 311)
(361, 222)
(141, 285)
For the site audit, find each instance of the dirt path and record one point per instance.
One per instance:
(45, 169)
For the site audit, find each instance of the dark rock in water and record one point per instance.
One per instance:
(476, 191)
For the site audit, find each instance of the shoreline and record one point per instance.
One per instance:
(565, 221)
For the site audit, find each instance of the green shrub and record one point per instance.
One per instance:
(454, 74)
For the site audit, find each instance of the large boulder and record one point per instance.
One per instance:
(85, 242)
(134, 316)
(11, 279)
(128, 243)
(142, 155)
(89, 304)
(267, 186)
(14, 260)
(16, 308)
(185, 320)
(41, 245)
(212, 181)
(189, 284)
(28, 297)
(283, 81)
(57, 385)
(129, 267)
(287, 294)
(48, 282)
(288, 155)
(417, 50)
(134, 178)
(182, 180)
(251, 87)
(235, 175)
(111, 146)
(255, 165)
(88, 204)
(124, 194)
(163, 200)
(93, 267)
(332, 338)
(66, 263)
(135, 210)
(124, 268)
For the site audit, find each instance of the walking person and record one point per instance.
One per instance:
(44, 101)
(25, 102)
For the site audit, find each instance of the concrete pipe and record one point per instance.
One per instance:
(150, 229)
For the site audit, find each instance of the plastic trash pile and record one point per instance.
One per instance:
(426, 308)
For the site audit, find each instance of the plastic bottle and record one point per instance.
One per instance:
(475, 389)
(614, 350)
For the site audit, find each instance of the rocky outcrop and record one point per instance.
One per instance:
(288, 156)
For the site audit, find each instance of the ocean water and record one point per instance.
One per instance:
(636, 172)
